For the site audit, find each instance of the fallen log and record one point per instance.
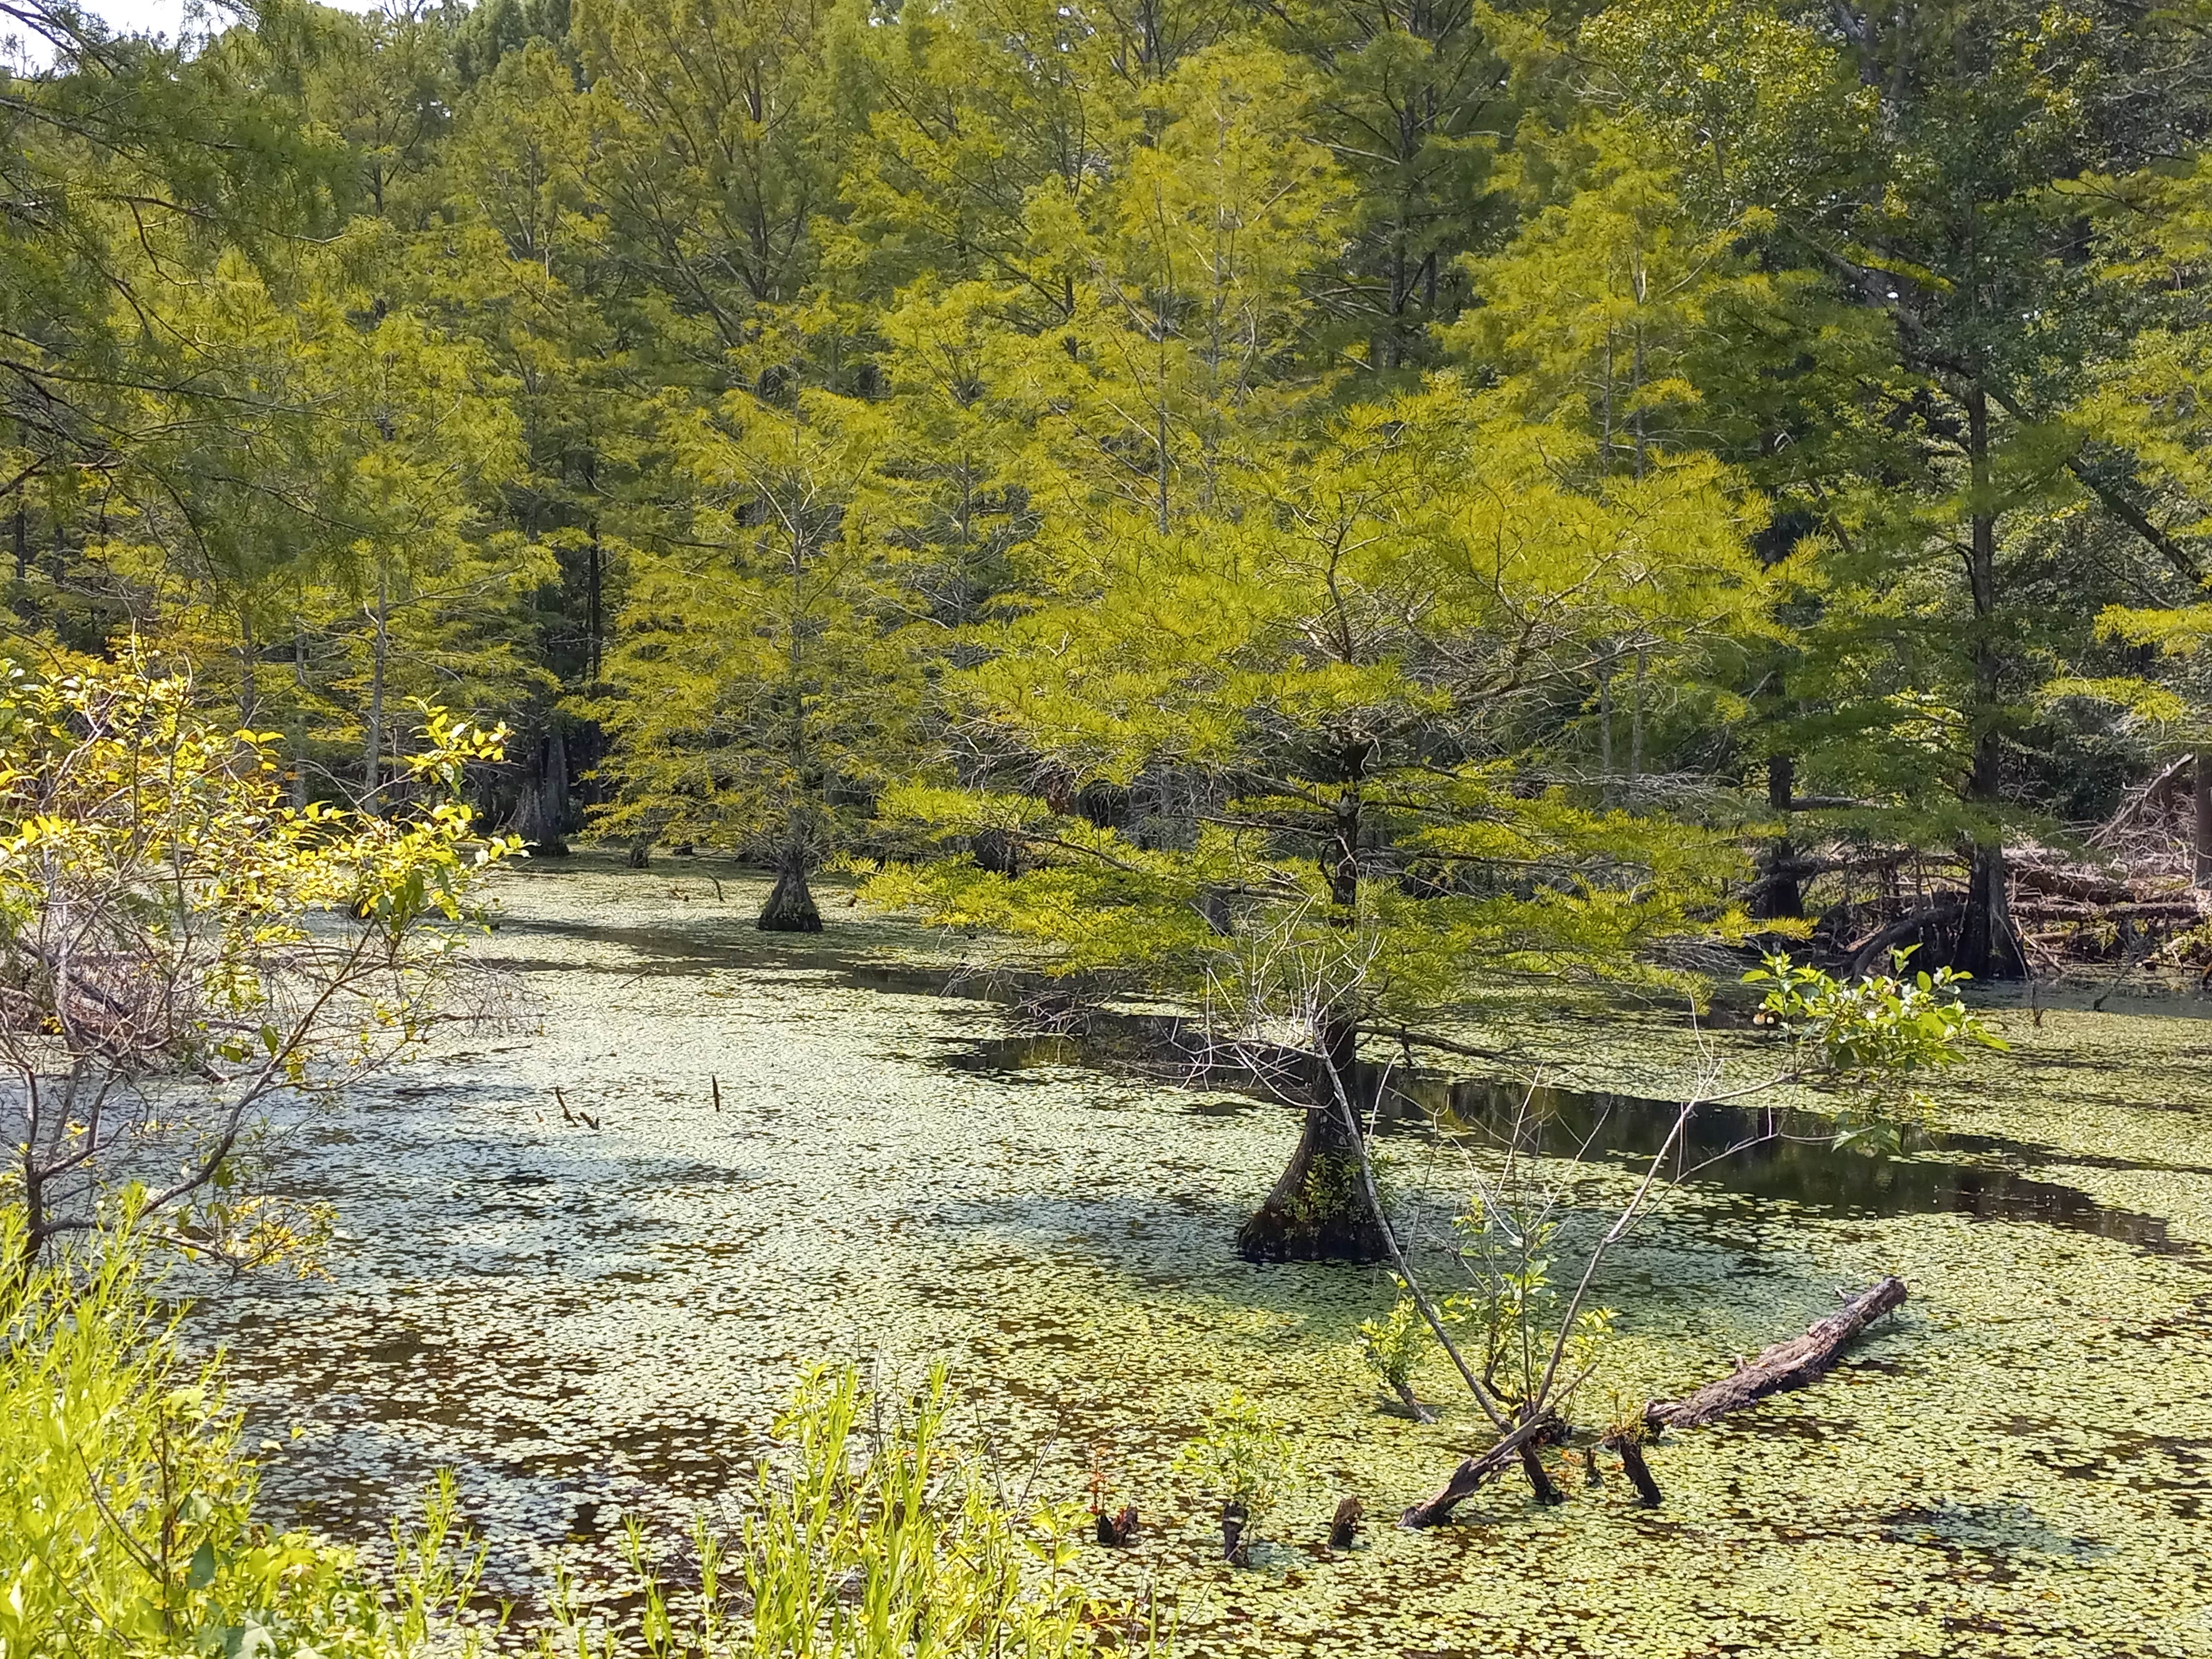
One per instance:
(2184, 908)
(1791, 1364)
(2062, 881)
(1470, 1475)
(1869, 952)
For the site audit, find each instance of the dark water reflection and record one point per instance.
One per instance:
(1789, 1156)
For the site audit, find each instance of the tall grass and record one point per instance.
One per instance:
(127, 1526)
(126, 1509)
(870, 1538)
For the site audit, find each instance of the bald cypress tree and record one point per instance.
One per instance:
(1288, 759)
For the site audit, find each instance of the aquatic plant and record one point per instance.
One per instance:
(867, 1537)
(1877, 1035)
(1392, 1347)
(127, 1520)
(1242, 1456)
(1511, 1304)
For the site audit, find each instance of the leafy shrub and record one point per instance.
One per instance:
(125, 1506)
(1241, 1456)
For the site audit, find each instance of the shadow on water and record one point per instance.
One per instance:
(1786, 1157)
(663, 950)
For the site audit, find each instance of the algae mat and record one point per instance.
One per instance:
(593, 1325)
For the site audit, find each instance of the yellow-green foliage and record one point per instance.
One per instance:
(1241, 1456)
(126, 1508)
(871, 1538)
(1393, 1345)
(1878, 1033)
(1327, 708)
(163, 913)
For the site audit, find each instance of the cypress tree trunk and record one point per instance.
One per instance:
(790, 907)
(2200, 792)
(1986, 948)
(372, 741)
(1316, 1211)
(297, 740)
(1776, 894)
(546, 799)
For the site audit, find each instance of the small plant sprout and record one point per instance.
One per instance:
(1392, 1347)
(1115, 1528)
(1240, 1454)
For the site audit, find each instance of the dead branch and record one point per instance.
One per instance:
(1470, 1475)
(1791, 1364)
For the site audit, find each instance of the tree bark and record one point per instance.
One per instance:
(1870, 954)
(297, 740)
(1638, 1472)
(2200, 792)
(1411, 1402)
(373, 727)
(1316, 1210)
(1777, 896)
(1540, 1478)
(1791, 1364)
(790, 907)
(1986, 947)
(1470, 1477)
(546, 809)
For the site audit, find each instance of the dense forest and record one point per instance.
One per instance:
(1774, 418)
(1195, 464)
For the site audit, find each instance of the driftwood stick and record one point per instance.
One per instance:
(1470, 1475)
(1412, 1403)
(1791, 1364)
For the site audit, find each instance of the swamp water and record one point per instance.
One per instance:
(589, 1325)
